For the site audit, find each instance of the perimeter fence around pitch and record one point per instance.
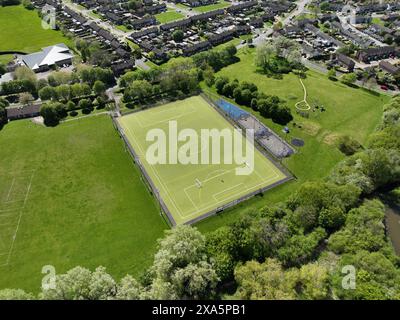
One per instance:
(148, 180)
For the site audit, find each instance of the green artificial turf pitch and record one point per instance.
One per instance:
(178, 184)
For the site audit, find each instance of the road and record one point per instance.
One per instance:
(184, 11)
(121, 35)
(142, 64)
(346, 25)
(266, 33)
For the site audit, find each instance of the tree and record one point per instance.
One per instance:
(3, 113)
(85, 105)
(99, 87)
(138, 90)
(281, 115)
(3, 68)
(195, 281)
(300, 248)
(310, 282)
(348, 78)
(47, 93)
(70, 105)
(24, 73)
(181, 266)
(377, 277)
(321, 204)
(82, 284)
(332, 74)
(364, 230)
(134, 4)
(368, 170)
(63, 92)
(262, 281)
(209, 77)
(49, 114)
(179, 75)
(264, 55)
(129, 289)
(348, 145)
(178, 35)
(220, 82)
(25, 98)
(77, 90)
(28, 4)
(15, 294)
(100, 57)
(4, 3)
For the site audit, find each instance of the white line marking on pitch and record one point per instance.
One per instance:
(19, 219)
(9, 190)
(215, 195)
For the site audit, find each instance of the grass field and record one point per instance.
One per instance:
(349, 111)
(215, 6)
(21, 30)
(178, 184)
(6, 58)
(71, 196)
(168, 16)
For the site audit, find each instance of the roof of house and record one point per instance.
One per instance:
(19, 112)
(378, 51)
(48, 56)
(345, 60)
(387, 66)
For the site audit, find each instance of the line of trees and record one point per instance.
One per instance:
(177, 78)
(247, 94)
(5, 3)
(62, 91)
(3, 112)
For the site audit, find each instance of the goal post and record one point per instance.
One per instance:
(198, 183)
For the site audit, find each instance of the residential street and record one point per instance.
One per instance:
(266, 33)
(103, 24)
(343, 20)
(185, 12)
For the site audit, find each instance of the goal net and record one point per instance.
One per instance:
(198, 183)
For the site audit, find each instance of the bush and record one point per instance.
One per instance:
(348, 145)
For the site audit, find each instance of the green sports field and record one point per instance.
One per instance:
(21, 30)
(69, 196)
(191, 191)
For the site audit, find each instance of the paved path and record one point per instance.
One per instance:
(308, 107)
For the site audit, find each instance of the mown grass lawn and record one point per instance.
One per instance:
(21, 30)
(215, 6)
(351, 111)
(168, 16)
(6, 58)
(87, 204)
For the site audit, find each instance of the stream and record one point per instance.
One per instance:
(393, 225)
